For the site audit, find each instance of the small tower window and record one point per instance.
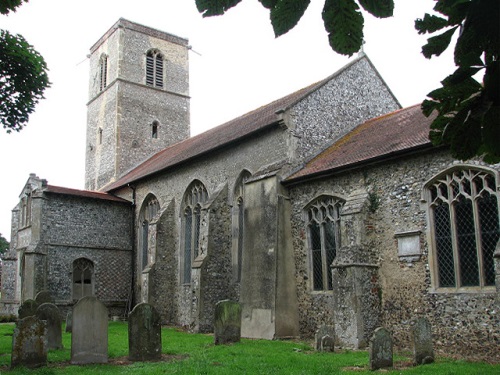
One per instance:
(99, 136)
(154, 129)
(103, 72)
(154, 69)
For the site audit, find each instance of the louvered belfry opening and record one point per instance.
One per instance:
(154, 69)
(466, 228)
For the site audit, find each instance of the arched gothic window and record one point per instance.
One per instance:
(154, 69)
(463, 207)
(194, 198)
(103, 72)
(323, 229)
(150, 208)
(83, 278)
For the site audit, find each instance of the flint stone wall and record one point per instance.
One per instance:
(467, 324)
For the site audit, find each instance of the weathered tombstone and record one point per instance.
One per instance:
(50, 313)
(423, 349)
(69, 321)
(27, 308)
(44, 297)
(29, 343)
(381, 349)
(227, 325)
(144, 333)
(89, 338)
(324, 339)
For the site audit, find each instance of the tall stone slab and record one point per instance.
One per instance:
(44, 297)
(27, 308)
(29, 343)
(89, 339)
(423, 349)
(227, 324)
(144, 333)
(381, 349)
(50, 313)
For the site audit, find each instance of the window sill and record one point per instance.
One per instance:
(476, 290)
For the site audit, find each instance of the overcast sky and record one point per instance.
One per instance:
(236, 66)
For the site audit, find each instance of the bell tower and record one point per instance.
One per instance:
(138, 99)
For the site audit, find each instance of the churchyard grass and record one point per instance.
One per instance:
(196, 354)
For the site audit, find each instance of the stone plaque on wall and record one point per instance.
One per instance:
(409, 246)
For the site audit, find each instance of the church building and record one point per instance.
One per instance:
(329, 206)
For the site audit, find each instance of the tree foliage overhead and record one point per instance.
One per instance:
(343, 19)
(23, 79)
(468, 112)
(23, 75)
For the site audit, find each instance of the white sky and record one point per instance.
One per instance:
(241, 67)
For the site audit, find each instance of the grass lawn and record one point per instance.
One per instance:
(185, 353)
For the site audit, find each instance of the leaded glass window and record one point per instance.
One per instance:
(83, 274)
(196, 196)
(324, 239)
(465, 223)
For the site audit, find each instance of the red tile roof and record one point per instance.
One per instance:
(382, 137)
(83, 193)
(219, 136)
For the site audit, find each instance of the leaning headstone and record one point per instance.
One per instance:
(69, 321)
(29, 343)
(44, 297)
(27, 308)
(50, 313)
(324, 339)
(227, 325)
(144, 333)
(381, 349)
(89, 338)
(423, 349)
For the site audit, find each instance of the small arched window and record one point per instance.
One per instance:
(464, 221)
(194, 198)
(103, 72)
(83, 278)
(323, 229)
(154, 129)
(154, 69)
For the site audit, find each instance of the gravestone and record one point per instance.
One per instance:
(27, 308)
(227, 325)
(69, 321)
(380, 349)
(144, 333)
(89, 338)
(29, 343)
(324, 339)
(50, 313)
(423, 349)
(44, 297)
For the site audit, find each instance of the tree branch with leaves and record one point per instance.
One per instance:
(23, 76)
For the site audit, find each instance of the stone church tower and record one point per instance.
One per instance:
(138, 99)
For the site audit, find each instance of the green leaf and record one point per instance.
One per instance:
(7, 6)
(268, 3)
(210, 8)
(461, 75)
(344, 24)
(286, 13)
(378, 8)
(437, 44)
(430, 24)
